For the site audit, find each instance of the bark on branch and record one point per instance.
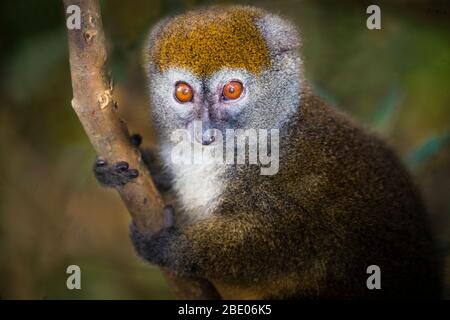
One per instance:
(97, 111)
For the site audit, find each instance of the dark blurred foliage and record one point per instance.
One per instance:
(53, 213)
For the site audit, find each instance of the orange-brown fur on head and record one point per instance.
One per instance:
(205, 41)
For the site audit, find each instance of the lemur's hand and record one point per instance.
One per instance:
(153, 246)
(117, 174)
(113, 175)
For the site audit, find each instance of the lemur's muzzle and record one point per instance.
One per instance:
(202, 132)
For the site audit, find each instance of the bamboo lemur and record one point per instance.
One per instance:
(340, 202)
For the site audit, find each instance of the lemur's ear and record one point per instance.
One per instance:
(280, 34)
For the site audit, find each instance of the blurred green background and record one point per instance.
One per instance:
(52, 211)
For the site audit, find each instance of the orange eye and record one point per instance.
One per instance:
(183, 92)
(232, 90)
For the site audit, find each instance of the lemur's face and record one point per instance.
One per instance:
(216, 101)
(228, 68)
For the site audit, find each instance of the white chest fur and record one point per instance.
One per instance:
(198, 187)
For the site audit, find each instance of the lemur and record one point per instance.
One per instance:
(340, 202)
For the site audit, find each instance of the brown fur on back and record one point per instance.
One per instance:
(341, 201)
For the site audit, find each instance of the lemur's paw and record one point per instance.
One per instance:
(136, 140)
(153, 246)
(116, 175)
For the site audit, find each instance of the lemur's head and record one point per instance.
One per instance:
(228, 67)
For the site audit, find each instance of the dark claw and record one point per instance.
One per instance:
(136, 140)
(121, 165)
(133, 173)
(100, 162)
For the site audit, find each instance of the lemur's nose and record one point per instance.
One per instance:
(202, 132)
(207, 139)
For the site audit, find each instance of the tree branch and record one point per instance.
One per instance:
(97, 111)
